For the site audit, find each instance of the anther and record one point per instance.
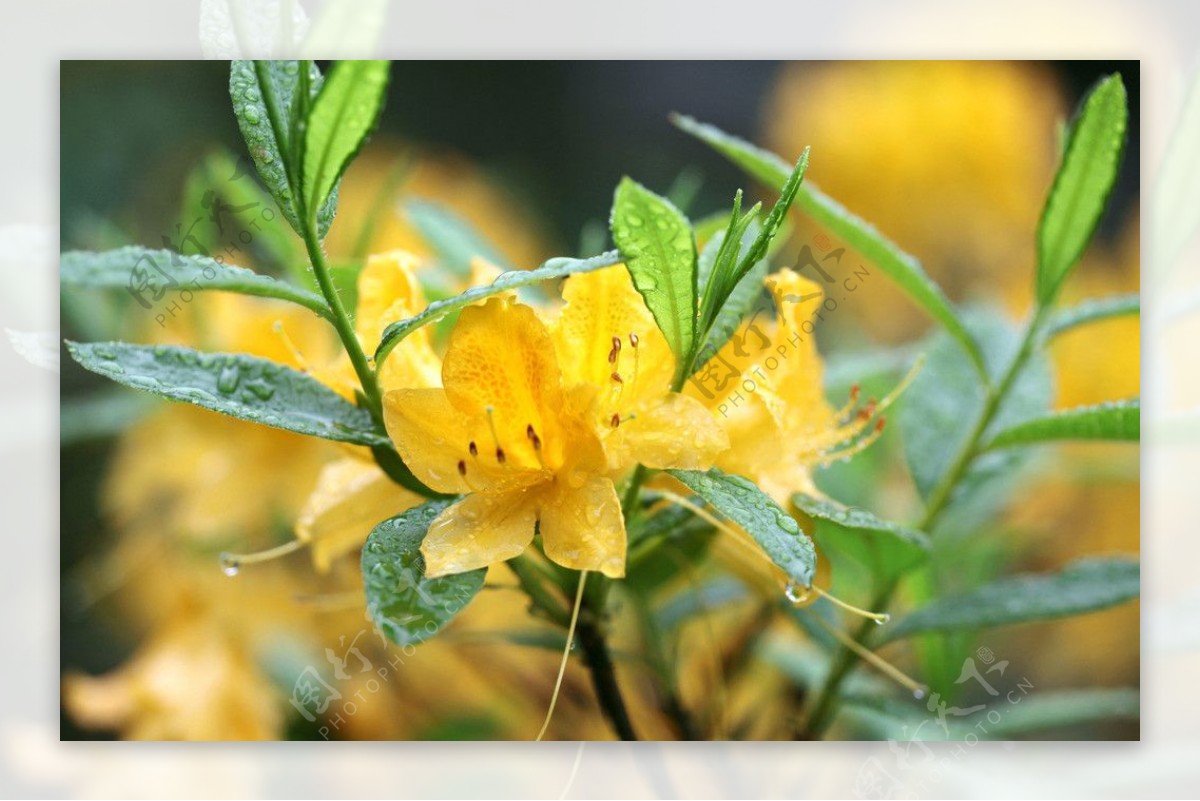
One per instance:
(473, 448)
(500, 457)
(615, 351)
(615, 421)
(533, 437)
(616, 377)
(633, 340)
(462, 467)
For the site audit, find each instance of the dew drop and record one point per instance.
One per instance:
(230, 564)
(252, 115)
(261, 389)
(883, 618)
(796, 593)
(919, 693)
(227, 381)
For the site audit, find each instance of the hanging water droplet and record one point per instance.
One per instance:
(796, 593)
(919, 693)
(230, 564)
(883, 618)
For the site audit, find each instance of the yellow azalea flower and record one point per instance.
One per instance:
(765, 388)
(607, 338)
(506, 430)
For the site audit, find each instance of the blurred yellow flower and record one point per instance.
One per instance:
(765, 387)
(952, 160)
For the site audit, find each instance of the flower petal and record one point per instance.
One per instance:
(501, 363)
(583, 529)
(601, 305)
(351, 497)
(387, 279)
(479, 530)
(434, 439)
(676, 432)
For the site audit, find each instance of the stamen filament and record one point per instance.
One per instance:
(878, 617)
(231, 562)
(282, 333)
(879, 663)
(562, 668)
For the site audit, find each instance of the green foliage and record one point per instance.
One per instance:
(888, 550)
(1115, 420)
(452, 238)
(267, 96)
(505, 282)
(241, 386)
(1091, 311)
(902, 268)
(939, 412)
(112, 269)
(1081, 188)
(739, 302)
(405, 605)
(750, 508)
(655, 241)
(343, 115)
(1084, 586)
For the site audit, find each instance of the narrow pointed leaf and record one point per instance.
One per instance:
(405, 605)
(1084, 181)
(1117, 421)
(263, 95)
(887, 549)
(739, 500)
(505, 282)
(120, 268)
(343, 115)
(655, 241)
(241, 386)
(1091, 311)
(902, 268)
(1084, 586)
(452, 238)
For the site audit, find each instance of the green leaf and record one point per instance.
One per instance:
(115, 269)
(771, 527)
(1090, 311)
(1116, 420)
(241, 386)
(655, 240)
(233, 203)
(263, 95)
(454, 240)
(902, 268)
(1083, 586)
(100, 415)
(1005, 719)
(1081, 188)
(938, 411)
(887, 549)
(738, 303)
(405, 605)
(343, 115)
(505, 282)
(667, 544)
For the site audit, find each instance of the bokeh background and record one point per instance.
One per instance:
(950, 159)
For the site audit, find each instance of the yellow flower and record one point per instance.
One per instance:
(765, 386)
(505, 430)
(607, 338)
(950, 159)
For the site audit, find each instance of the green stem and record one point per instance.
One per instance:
(590, 631)
(825, 706)
(341, 321)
